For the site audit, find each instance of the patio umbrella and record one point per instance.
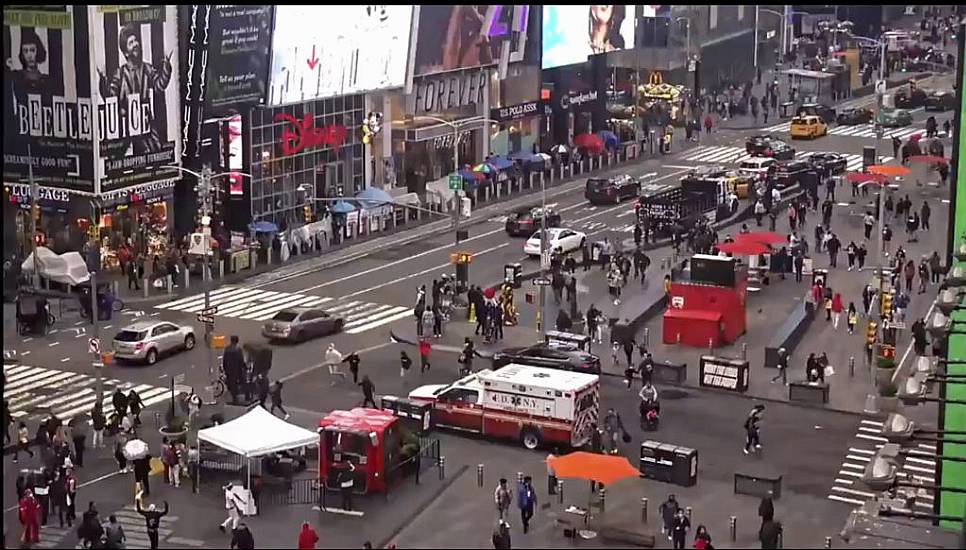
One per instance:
(609, 138)
(489, 293)
(601, 468)
(933, 159)
(373, 196)
(559, 149)
(470, 175)
(743, 248)
(483, 168)
(763, 237)
(888, 170)
(589, 141)
(863, 177)
(135, 449)
(263, 226)
(342, 207)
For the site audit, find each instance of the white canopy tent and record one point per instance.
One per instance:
(68, 268)
(255, 434)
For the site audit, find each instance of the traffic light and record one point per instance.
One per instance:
(885, 307)
(870, 333)
(307, 213)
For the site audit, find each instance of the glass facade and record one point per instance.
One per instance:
(325, 156)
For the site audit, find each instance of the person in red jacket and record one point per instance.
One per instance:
(307, 537)
(30, 518)
(837, 308)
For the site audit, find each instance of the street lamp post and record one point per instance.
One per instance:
(687, 47)
(204, 188)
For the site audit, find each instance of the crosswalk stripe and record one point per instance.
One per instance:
(918, 469)
(846, 500)
(199, 299)
(861, 451)
(853, 492)
(387, 313)
(920, 461)
(259, 313)
(848, 473)
(363, 312)
(871, 437)
(843, 481)
(369, 326)
(247, 303)
(217, 292)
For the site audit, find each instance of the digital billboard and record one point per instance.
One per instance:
(573, 33)
(460, 37)
(327, 51)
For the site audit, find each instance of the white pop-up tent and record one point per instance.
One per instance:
(257, 433)
(68, 268)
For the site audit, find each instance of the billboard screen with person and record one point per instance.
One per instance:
(573, 33)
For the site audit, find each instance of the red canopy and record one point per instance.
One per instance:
(589, 141)
(863, 177)
(743, 248)
(763, 237)
(934, 159)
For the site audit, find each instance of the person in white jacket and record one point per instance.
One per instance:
(334, 360)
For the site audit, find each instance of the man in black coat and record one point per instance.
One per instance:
(234, 365)
(768, 534)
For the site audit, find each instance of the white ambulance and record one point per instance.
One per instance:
(533, 405)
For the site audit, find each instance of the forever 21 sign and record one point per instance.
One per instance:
(515, 112)
(449, 91)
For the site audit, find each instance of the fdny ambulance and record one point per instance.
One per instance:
(532, 405)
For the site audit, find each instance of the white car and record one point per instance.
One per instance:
(756, 166)
(148, 340)
(557, 238)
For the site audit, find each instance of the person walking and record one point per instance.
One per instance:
(424, 349)
(668, 510)
(851, 318)
(551, 474)
(837, 308)
(152, 520)
(501, 536)
(923, 275)
(90, 530)
(333, 359)
(234, 506)
(368, 390)
(119, 453)
(136, 405)
(353, 360)
(526, 501)
(58, 498)
(910, 273)
(708, 123)
(437, 321)
(782, 367)
(78, 427)
(23, 442)
(114, 536)
(860, 255)
(262, 389)
(752, 433)
(142, 468)
(242, 538)
(868, 222)
(768, 534)
(850, 254)
(833, 245)
(679, 528)
(702, 539)
(276, 395)
(98, 423)
(119, 400)
(502, 497)
(307, 537)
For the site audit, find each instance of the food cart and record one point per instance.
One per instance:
(368, 438)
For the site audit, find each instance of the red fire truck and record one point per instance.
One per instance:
(533, 405)
(368, 438)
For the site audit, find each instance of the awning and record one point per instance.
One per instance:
(258, 433)
(409, 199)
(262, 226)
(500, 162)
(372, 197)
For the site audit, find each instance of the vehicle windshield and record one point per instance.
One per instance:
(750, 165)
(597, 184)
(285, 316)
(799, 120)
(130, 336)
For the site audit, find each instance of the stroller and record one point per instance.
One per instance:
(33, 315)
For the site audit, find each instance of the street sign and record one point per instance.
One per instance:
(541, 282)
(545, 259)
(769, 35)
(456, 183)
(206, 319)
(210, 310)
(880, 87)
(93, 345)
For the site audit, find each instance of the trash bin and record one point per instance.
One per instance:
(512, 274)
(415, 415)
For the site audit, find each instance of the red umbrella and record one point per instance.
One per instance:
(928, 158)
(489, 293)
(743, 248)
(763, 237)
(862, 177)
(589, 141)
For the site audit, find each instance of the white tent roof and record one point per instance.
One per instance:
(258, 433)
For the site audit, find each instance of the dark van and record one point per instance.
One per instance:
(612, 190)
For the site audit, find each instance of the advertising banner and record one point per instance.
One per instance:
(460, 37)
(572, 33)
(48, 118)
(238, 59)
(326, 51)
(138, 104)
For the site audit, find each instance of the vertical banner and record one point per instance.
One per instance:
(47, 97)
(240, 40)
(138, 103)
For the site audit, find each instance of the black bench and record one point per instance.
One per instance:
(670, 373)
(759, 483)
(790, 333)
(807, 392)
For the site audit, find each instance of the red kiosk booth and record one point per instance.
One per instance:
(709, 307)
(369, 438)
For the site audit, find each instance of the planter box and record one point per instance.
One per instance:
(883, 376)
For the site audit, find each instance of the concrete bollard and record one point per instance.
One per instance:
(734, 528)
(187, 279)
(268, 255)
(221, 269)
(744, 351)
(560, 488)
(115, 287)
(828, 542)
(710, 346)
(169, 283)
(479, 475)
(442, 467)
(647, 337)
(687, 512)
(519, 477)
(644, 510)
(852, 366)
(147, 288)
(603, 498)
(781, 539)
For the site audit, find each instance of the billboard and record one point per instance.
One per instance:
(48, 117)
(238, 57)
(572, 33)
(461, 37)
(138, 101)
(327, 51)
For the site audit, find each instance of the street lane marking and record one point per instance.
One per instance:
(846, 500)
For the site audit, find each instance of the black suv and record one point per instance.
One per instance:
(768, 146)
(905, 100)
(524, 221)
(852, 117)
(826, 113)
(551, 356)
(612, 190)
(834, 161)
(940, 101)
(787, 172)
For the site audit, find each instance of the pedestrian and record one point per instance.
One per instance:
(307, 537)
(262, 389)
(119, 400)
(233, 363)
(114, 536)
(58, 498)
(702, 539)
(526, 501)
(501, 536)
(799, 267)
(437, 321)
(136, 405)
(424, 349)
(23, 442)
(827, 301)
(837, 308)
(29, 515)
(679, 528)
(551, 474)
(152, 520)
(593, 324)
(119, 453)
(860, 255)
(924, 214)
(276, 395)
(708, 123)
(368, 389)
(502, 497)
(353, 360)
(833, 245)
(142, 468)
(91, 530)
(668, 509)
(923, 275)
(752, 433)
(234, 506)
(852, 317)
(346, 481)
(333, 359)
(242, 538)
(868, 222)
(782, 367)
(850, 254)
(98, 422)
(768, 534)
(910, 273)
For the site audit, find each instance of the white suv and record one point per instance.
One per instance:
(148, 340)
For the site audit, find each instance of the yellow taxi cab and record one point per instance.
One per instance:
(809, 126)
(738, 184)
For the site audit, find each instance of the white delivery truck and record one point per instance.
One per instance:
(533, 405)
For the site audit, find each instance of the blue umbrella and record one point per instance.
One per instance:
(342, 207)
(500, 162)
(372, 197)
(262, 226)
(609, 138)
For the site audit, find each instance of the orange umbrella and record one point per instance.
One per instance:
(888, 170)
(601, 468)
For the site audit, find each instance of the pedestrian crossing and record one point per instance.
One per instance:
(919, 463)
(134, 527)
(255, 304)
(38, 391)
(720, 154)
(857, 130)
